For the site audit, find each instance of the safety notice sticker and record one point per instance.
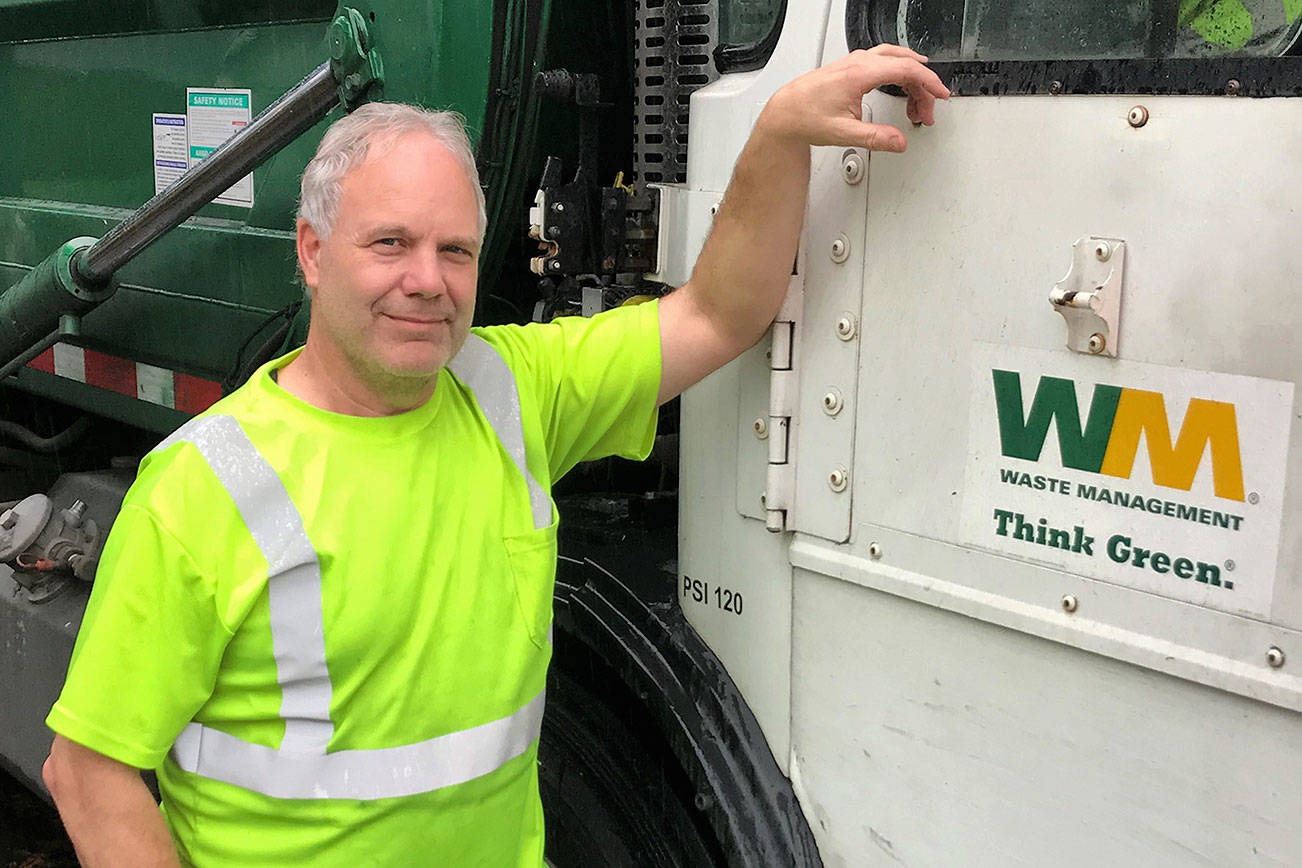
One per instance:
(213, 115)
(1163, 479)
(171, 158)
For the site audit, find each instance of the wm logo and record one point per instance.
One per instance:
(1109, 439)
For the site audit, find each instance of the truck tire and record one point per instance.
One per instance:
(607, 799)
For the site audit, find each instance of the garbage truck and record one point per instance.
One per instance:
(982, 557)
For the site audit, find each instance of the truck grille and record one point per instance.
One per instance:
(673, 43)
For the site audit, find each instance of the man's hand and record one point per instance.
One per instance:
(824, 107)
(741, 276)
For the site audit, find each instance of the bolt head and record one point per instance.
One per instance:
(1097, 343)
(1233, 87)
(1055, 87)
(1069, 603)
(838, 479)
(1275, 656)
(558, 207)
(761, 426)
(875, 550)
(840, 249)
(554, 265)
(845, 327)
(1138, 116)
(1102, 251)
(852, 167)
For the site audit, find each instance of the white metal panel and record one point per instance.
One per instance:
(685, 220)
(724, 556)
(718, 544)
(724, 111)
(982, 212)
(922, 737)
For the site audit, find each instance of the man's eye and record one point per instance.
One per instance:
(388, 242)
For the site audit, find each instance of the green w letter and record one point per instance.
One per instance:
(1022, 435)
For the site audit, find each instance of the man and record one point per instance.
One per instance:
(324, 611)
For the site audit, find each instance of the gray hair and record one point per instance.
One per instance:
(345, 145)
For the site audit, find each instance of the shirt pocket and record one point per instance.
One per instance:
(531, 557)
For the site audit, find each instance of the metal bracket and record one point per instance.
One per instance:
(1089, 297)
(354, 62)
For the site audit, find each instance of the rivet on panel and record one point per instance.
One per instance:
(1069, 603)
(846, 326)
(840, 251)
(1275, 656)
(852, 167)
(833, 402)
(1097, 343)
(875, 550)
(761, 427)
(838, 479)
(1138, 116)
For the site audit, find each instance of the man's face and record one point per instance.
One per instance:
(393, 287)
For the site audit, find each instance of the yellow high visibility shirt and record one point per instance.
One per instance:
(376, 700)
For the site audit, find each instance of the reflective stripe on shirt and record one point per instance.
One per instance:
(485, 373)
(381, 773)
(293, 575)
(301, 768)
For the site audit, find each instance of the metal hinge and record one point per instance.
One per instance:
(780, 484)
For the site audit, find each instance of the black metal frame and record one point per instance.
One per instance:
(1231, 76)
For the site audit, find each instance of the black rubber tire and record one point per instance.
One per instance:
(607, 799)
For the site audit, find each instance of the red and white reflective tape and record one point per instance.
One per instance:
(160, 386)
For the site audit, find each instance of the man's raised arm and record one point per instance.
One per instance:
(741, 276)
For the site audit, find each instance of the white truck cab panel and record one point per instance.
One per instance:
(1028, 604)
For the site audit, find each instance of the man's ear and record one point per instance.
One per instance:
(308, 244)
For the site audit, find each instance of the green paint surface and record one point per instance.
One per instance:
(78, 157)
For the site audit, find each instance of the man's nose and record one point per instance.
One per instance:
(424, 275)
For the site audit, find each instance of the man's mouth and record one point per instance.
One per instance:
(416, 319)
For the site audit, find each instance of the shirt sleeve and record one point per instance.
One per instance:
(594, 381)
(148, 650)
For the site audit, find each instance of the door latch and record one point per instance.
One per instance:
(1089, 297)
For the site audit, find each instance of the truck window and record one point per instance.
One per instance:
(748, 33)
(993, 30)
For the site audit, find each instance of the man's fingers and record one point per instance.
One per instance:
(921, 106)
(911, 109)
(903, 71)
(878, 137)
(891, 50)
